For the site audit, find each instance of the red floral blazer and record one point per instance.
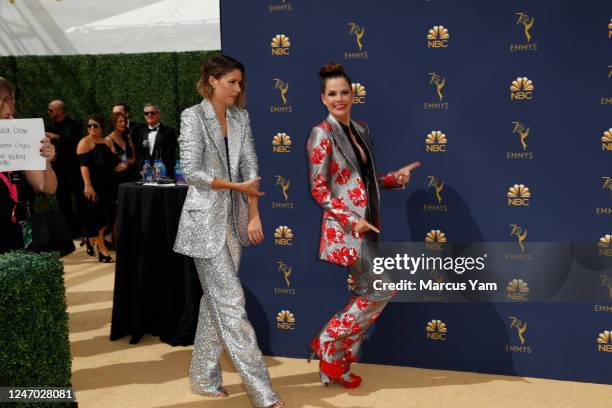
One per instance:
(337, 187)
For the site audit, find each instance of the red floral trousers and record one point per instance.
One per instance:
(340, 339)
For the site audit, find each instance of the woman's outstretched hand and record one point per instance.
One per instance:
(363, 226)
(402, 176)
(250, 187)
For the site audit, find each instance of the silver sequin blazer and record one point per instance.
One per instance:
(203, 225)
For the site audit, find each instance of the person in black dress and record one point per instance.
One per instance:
(121, 144)
(99, 166)
(13, 184)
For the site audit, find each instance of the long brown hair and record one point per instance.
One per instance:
(113, 121)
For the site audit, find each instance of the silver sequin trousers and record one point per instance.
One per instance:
(223, 324)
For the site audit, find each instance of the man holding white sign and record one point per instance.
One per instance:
(25, 156)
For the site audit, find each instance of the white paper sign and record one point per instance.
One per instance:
(20, 144)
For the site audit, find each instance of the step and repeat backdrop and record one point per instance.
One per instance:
(508, 107)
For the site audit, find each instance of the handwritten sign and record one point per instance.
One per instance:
(20, 144)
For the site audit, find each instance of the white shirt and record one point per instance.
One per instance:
(152, 135)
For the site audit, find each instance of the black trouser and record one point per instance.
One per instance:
(70, 198)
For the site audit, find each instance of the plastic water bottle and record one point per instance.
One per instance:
(162, 169)
(178, 173)
(147, 172)
(155, 170)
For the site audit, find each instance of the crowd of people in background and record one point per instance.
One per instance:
(90, 164)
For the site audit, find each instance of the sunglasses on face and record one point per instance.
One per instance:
(92, 126)
(150, 113)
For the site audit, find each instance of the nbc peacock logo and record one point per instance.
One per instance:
(522, 88)
(517, 290)
(435, 240)
(281, 143)
(435, 236)
(518, 195)
(283, 236)
(281, 45)
(359, 93)
(606, 140)
(604, 341)
(436, 330)
(435, 142)
(605, 245)
(285, 320)
(437, 37)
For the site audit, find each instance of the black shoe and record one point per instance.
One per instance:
(104, 258)
(90, 249)
(109, 245)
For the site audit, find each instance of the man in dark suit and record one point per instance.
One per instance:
(155, 140)
(132, 126)
(65, 133)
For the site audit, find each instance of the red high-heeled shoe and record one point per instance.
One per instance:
(334, 374)
(315, 348)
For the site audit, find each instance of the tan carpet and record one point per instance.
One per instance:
(154, 374)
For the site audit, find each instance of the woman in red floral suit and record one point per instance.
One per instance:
(344, 182)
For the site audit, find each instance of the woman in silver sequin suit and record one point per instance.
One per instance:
(221, 214)
(344, 182)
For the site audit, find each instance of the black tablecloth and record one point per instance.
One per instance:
(157, 291)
